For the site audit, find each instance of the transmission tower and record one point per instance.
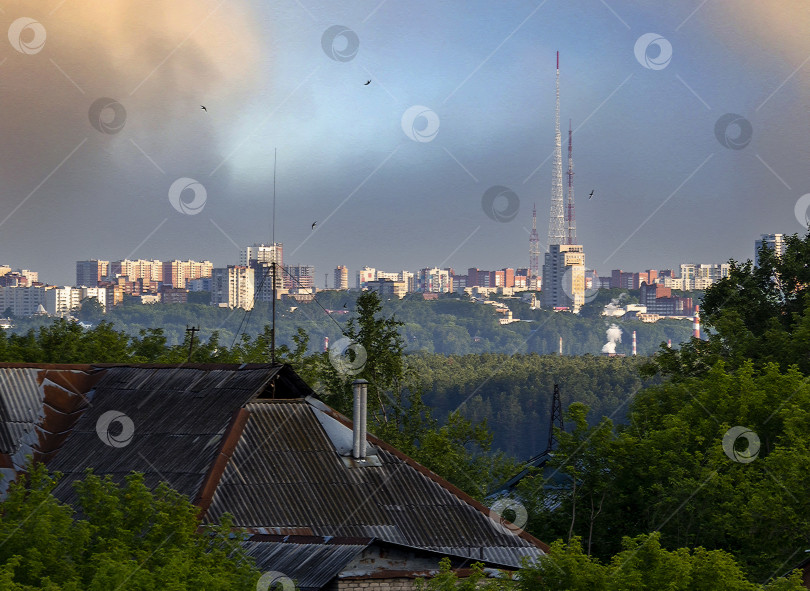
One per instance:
(570, 219)
(555, 419)
(534, 247)
(556, 222)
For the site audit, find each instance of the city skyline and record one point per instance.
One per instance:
(689, 123)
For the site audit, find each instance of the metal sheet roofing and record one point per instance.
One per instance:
(244, 440)
(286, 473)
(178, 416)
(311, 566)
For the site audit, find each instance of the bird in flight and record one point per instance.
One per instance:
(591, 195)
(313, 225)
(367, 83)
(203, 108)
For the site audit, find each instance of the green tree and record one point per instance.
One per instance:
(642, 564)
(128, 536)
(90, 310)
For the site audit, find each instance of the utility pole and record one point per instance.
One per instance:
(273, 326)
(191, 331)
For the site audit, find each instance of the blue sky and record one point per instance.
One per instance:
(666, 190)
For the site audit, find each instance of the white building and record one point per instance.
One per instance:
(61, 301)
(233, 287)
(22, 301)
(260, 257)
(365, 275)
(775, 242)
(434, 280)
(100, 293)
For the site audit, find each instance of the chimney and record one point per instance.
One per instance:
(696, 323)
(669, 343)
(634, 342)
(360, 388)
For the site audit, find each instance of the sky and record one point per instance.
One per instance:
(691, 126)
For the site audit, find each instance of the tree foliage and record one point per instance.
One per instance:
(122, 537)
(641, 565)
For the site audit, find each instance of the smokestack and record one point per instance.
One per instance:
(360, 388)
(325, 344)
(560, 345)
(669, 343)
(696, 323)
(634, 342)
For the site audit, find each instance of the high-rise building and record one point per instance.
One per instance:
(299, 278)
(434, 280)
(261, 257)
(365, 275)
(22, 301)
(563, 277)
(233, 287)
(177, 274)
(100, 293)
(61, 301)
(775, 242)
(139, 269)
(89, 273)
(341, 277)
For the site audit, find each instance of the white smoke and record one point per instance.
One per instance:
(614, 335)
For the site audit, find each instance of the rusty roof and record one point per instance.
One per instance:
(38, 408)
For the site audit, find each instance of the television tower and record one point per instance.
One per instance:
(556, 222)
(534, 248)
(570, 219)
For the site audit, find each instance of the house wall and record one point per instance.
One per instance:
(393, 584)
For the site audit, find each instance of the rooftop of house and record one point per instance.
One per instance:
(253, 441)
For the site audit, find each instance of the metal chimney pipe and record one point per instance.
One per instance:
(359, 419)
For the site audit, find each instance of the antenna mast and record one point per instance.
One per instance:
(534, 248)
(571, 221)
(556, 222)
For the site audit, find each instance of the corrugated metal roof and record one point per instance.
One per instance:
(179, 416)
(20, 406)
(286, 473)
(311, 566)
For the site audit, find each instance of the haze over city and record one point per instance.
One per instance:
(89, 178)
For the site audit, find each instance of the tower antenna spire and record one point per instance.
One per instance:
(556, 222)
(534, 250)
(570, 219)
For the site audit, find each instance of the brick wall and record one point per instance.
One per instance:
(394, 584)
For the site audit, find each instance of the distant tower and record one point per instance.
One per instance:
(534, 248)
(569, 217)
(634, 343)
(696, 323)
(556, 222)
